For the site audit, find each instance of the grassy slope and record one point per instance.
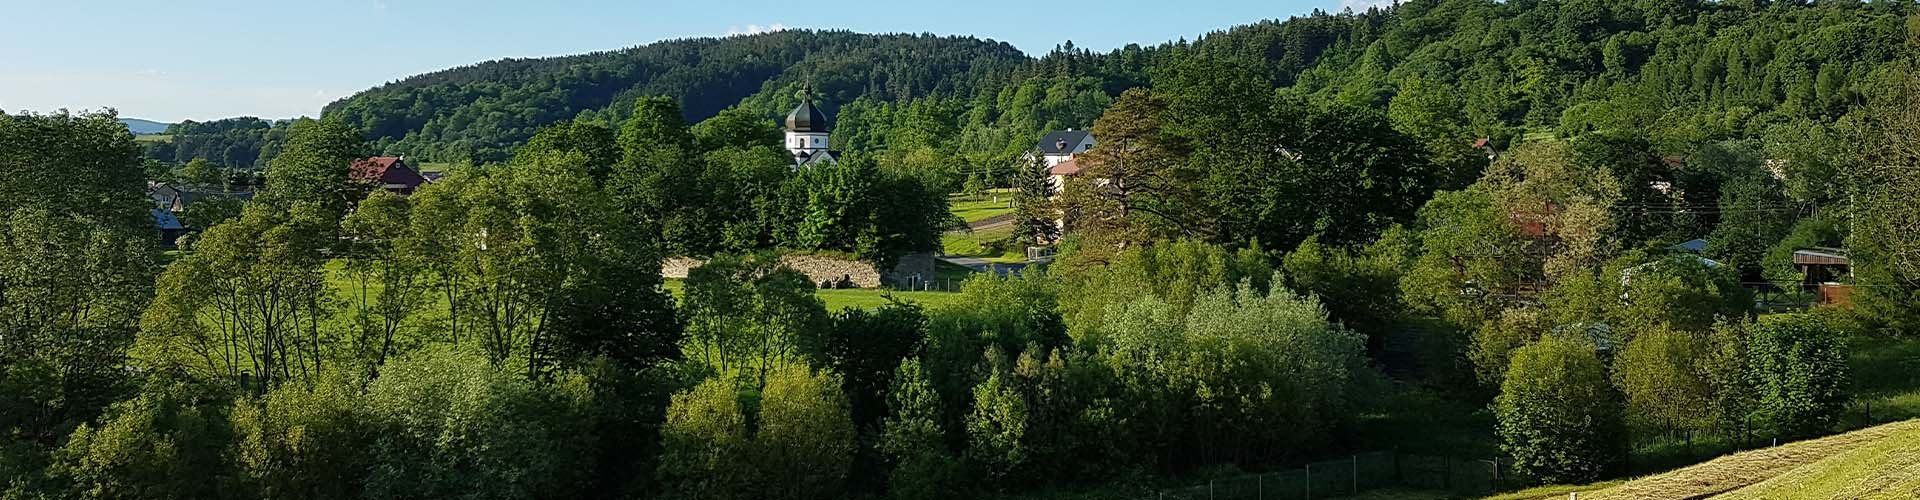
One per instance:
(1829, 458)
(975, 210)
(1886, 468)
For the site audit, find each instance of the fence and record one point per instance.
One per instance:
(1351, 476)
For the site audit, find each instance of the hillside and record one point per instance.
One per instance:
(1688, 71)
(144, 127)
(1877, 462)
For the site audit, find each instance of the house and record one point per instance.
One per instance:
(1485, 145)
(169, 226)
(809, 135)
(1824, 268)
(176, 199)
(1059, 146)
(1059, 172)
(388, 172)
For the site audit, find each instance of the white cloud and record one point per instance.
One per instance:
(755, 29)
(1363, 5)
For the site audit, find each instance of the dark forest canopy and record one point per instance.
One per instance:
(1688, 71)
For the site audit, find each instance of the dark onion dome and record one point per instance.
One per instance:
(806, 117)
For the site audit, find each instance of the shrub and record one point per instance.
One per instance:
(1558, 417)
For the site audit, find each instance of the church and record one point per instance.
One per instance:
(807, 133)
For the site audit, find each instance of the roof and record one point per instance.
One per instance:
(1482, 143)
(1693, 245)
(817, 157)
(1060, 142)
(165, 221)
(385, 170)
(806, 117)
(1065, 168)
(1821, 256)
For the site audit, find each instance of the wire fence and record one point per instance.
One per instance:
(1353, 475)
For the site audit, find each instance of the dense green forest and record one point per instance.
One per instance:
(1285, 248)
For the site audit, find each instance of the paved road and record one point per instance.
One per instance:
(981, 265)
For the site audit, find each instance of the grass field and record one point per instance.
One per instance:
(1877, 462)
(970, 210)
(152, 138)
(993, 245)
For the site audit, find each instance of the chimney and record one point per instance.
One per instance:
(1060, 145)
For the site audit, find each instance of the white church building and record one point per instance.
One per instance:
(808, 133)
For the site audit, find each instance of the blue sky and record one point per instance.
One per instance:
(201, 59)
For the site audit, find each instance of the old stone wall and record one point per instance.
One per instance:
(827, 271)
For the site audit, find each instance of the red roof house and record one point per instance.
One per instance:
(1067, 168)
(389, 172)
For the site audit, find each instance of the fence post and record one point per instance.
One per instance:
(1209, 489)
(1356, 474)
(1260, 487)
(1309, 481)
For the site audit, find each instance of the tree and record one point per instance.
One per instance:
(704, 446)
(313, 169)
(658, 183)
(1112, 200)
(449, 423)
(1037, 220)
(747, 316)
(1799, 367)
(1559, 419)
(997, 427)
(306, 442)
(1473, 259)
(248, 303)
(594, 141)
(511, 245)
(167, 442)
(804, 443)
(863, 347)
(1662, 374)
(913, 439)
(388, 284)
(736, 128)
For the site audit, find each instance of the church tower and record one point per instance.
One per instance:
(807, 131)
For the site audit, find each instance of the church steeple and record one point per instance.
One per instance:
(807, 129)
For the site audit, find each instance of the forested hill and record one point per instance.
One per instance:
(479, 109)
(1686, 70)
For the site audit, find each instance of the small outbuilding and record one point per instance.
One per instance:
(1825, 270)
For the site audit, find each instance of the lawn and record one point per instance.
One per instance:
(1778, 472)
(153, 138)
(971, 210)
(1886, 375)
(995, 245)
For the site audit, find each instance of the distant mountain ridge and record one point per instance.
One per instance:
(144, 127)
(1681, 72)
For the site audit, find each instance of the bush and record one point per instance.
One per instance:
(1799, 368)
(1558, 417)
(170, 441)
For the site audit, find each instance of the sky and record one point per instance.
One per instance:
(203, 60)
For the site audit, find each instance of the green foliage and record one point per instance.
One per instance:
(864, 347)
(801, 444)
(313, 168)
(170, 441)
(1661, 373)
(1241, 377)
(747, 316)
(1471, 259)
(1559, 418)
(804, 441)
(913, 439)
(704, 444)
(1799, 371)
(448, 424)
(1177, 271)
(306, 441)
